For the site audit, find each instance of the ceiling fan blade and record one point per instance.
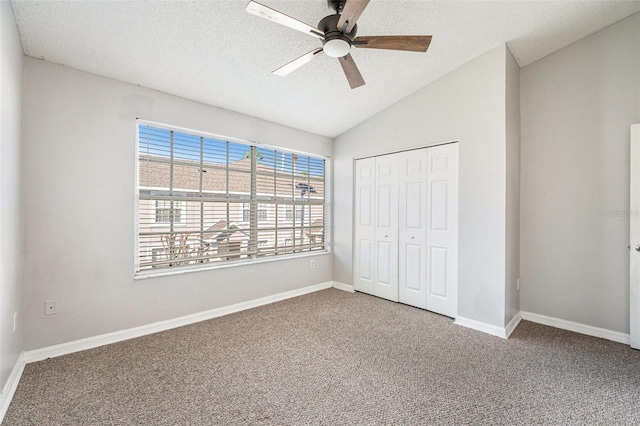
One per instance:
(265, 12)
(409, 43)
(350, 14)
(351, 71)
(297, 63)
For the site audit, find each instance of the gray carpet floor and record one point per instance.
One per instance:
(335, 358)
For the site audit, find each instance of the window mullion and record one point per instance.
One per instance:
(294, 160)
(308, 193)
(171, 238)
(227, 185)
(253, 224)
(275, 195)
(202, 171)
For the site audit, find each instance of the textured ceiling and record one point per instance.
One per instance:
(216, 53)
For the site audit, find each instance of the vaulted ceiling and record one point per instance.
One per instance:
(216, 53)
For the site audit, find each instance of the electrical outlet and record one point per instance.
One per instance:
(51, 307)
(15, 321)
(312, 264)
(518, 284)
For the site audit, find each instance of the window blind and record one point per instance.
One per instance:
(203, 200)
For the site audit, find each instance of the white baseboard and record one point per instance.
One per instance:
(10, 387)
(482, 326)
(118, 336)
(513, 324)
(577, 327)
(343, 287)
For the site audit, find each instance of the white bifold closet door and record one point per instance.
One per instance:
(406, 211)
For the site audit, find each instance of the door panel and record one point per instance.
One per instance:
(364, 226)
(439, 205)
(385, 209)
(413, 262)
(366, 254)
(412, 233)
(442, 243)
(438, 271)
(384, 264)
(413, 211)
(366, 206)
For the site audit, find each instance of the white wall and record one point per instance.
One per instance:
(512, 296)
(467, 105)
(79, 145)
(10, 193)
(577, 105)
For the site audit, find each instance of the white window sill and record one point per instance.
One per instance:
(223, 265)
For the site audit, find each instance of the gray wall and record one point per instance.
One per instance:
(467, 105)
(577, 105)
(512, 295)
(79, 192)
(10, 191)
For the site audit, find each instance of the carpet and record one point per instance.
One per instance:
(335, 358)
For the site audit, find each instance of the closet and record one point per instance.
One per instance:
(406, 227)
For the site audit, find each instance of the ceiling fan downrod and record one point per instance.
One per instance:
(336, 5)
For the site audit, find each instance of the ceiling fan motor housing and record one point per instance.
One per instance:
(336, 43)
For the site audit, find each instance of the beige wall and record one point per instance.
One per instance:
(467, 105)
(577, 105)
(512, 294)
(10, 187)
(79, 146)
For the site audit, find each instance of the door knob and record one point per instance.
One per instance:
(638, 247)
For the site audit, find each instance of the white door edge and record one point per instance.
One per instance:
(634, 238)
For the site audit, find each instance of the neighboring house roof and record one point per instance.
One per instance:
(219, 231)
(232, 233)
(214, 229)
(154, 172)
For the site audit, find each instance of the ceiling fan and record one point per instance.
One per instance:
(338, 35)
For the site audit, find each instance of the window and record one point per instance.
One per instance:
(246, 212)
(262, 212)
(169, 211)
(204, 200)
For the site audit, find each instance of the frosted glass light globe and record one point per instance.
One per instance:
(336, 48)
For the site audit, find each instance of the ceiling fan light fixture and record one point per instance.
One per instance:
(336, 48)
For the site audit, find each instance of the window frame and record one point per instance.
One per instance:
(258, 201)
